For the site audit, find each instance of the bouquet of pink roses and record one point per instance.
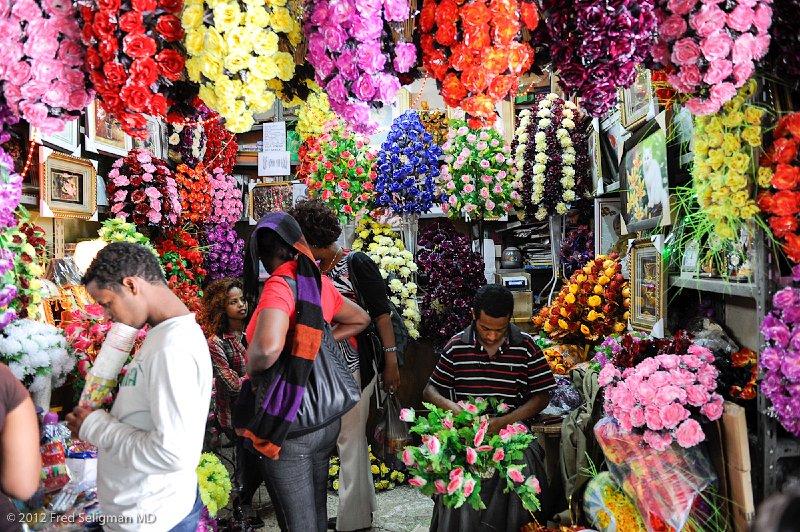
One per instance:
(142, 189)
(664, 397)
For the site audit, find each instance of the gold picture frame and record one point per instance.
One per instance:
(69, 187)
(636, 100)
(648, 286)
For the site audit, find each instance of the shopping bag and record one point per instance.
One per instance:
(391, 434)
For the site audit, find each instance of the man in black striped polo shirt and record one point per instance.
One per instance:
(491, 358)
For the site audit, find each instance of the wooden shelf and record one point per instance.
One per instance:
(716, 286)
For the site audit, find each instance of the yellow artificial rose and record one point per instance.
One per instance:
(619, 327)
(563, 324)
(603, 280)
(592, 316)
(733, 119)
(585, 330)
(724, 231)
(263, 67)
(253, 90)
(753, 115)
(598, 289)
(235, 63)
(582, 278)
(227, 108)
(265, 43)
(595, 301)
(240, 124)
(735, 104)
(765, 177)
(264, 103)
(193, 68)
(731, 144)
(740, 198)
(214, 44)
(701, 170)
(735, 181)
(210, 66)
(281, 20)
(701, 145)
(193, 3)
(573, 289)
(285, 64)
(714, 125)
(752, 135)
(749, 89)
(296, 35)
(276, 3)
(750, 210)
(228, 89)
(227, 16)
(547, 327)
(739, 162)
(715, 139)
(716, 158)
(194, 41)
(257, 16)
(240, 40)
(570, 298)
(192, 16)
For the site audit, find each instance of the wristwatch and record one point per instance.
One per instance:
(390, 349)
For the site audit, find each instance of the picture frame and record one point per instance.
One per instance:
(69, 186)
(648, 286)
(597, 157)
(644, 177)
(104, 133)
(636, 100)
(155, 139)
(269, 197)
(242, 185)
(67, 140)
(607, 224)
(690, 261)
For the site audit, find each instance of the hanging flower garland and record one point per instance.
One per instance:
(194, 188)
(134, 57)
(314, 115)
(355, 61)
(476, 179)
(596, 46)
(224, 254)
(338, 168)
(42, 60)
(142, 189)
(237, 54)
(35, 236)
(226, 200)
(548, 139)
(407, 167)
(711, 47)
(10, 194)
(7, 119)
(474, 52)
(10, 191)
(26, 274)
(36, 353)
(221, 145)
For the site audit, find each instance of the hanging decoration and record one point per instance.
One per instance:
(476, 180)
(596, 46)
(10, 194)
(36, 353)
(475, 53)
(355, 59)
(314, 115)
(710, 48)
(577, 249)
(27, 273)
(226, 199)
(35, 236)
(224, 252)
(42, 63)
(194, 188)
(221, 145)
(134, 57)
(10, 191)
(7, 118)
(187, 143)
(551, 158)
(408, 164)
(142, 189)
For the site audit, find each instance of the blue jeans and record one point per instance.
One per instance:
(297, 482)
(189, 523)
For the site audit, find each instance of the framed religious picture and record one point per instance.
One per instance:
(69, 186)
(104, 133)
(644, 178)
(607, 224)
(154, 142)
(636, 100)
(648, 286)
(67, 140)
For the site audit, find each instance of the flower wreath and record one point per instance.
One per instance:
(194, 187)
(43, 73)
(141, 188)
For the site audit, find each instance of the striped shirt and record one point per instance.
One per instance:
(517, 372)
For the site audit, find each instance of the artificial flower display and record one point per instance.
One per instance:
(397, 267)
(36, 353)
(592, 305)
(447, 298)
(42, 57)
(194, 188)
(314, 115)
(338, 167)
(780, 174)
(475, 53)
(456, 454)
(383, 477)
(779, 360)
(226, 200)
(187, 143)
(224, 252)
(577, 249)
(738, 374)
(477, 179)
(435, 123)
(597, 45)
(221, 145)
(407, 167)
(664, 398)
(117, 230)
(7, 119)
(628, 350)
(142, 189)
(234, 52)
(134, 57)
(35, 236)
(214, 481)
(725, 164)
(608, 508)
(181, 257)
(355, 59)
(550, 158)
(10, 191)
(711, 48)
(26, 270)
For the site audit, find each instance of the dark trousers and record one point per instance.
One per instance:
(248, 472)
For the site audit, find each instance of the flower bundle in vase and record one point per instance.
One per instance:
(194, 188)
(476, 180)
(456, 454)
(226, 200)
(43, 75)
(224, 254)
(142, 189)
(592, 305)
(214, 482)
(551, 158)
(36, 353)
(407, 166)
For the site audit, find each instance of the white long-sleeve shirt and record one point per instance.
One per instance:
(150, 444)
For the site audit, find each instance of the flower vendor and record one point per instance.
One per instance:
(491, 358)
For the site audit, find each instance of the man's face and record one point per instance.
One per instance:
(491, 331)
(125, 305)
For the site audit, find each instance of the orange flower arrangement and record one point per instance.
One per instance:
(592, 305)
(194, 187)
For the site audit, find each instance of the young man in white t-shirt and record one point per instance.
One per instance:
(150, 443)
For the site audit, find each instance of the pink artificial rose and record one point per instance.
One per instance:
(335, 37)
(722, 93)
(498, 189)
(718, 71)
(407, 415)
(18, 73)
(452, 200)
(659, 379)
(79, 99)
(469, 487)
(646, 367)
(624, 420)
(408, 457)
(657, 440)
(370, 57)
(637, 416)
(669, 394)
(368, 6)
(71, 54)
(673, 414)
(696, 395)
(340, 12)
(744, 48)
(708, 19)
(34, 113)
(685, 52)
(668, 361)
(490, 205)
(456, 473)
(41, 48)
(689, 434)
(661, 52)
(688, 78)
(762, 17)
(681, 7)
(441, 487)
(388, 85)
(364, 88)
(498, 455)
(367, 27)
(26, 10)
(533, 483)
(405, 57)
(484, 193)
(472, 456)
(120, 195)
(762, 45)
(434, 445)
(471, 408)
(515, 475)
(742, 72)
(479, 436)
(741, 18)
(607, 375)
(396, 10)
(320, 14)
(652, 417)
(417, 481)
(716, 46)
(58, 95)
(682, 377)
(316, 45)
(46, 70)
(673, 27)
(713, 410)
(154, 216)
(336, 89)
(59, 7)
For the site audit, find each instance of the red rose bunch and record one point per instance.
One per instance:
(35, 235)
(474, 51)
(142, 189)
(221, 145)
(134, 57)
(183, 265)
(194, 187)
(780, 169)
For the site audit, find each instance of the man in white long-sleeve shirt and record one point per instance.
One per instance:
(150, 444)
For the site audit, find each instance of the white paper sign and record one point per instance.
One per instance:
(274, 136)
(272, 163)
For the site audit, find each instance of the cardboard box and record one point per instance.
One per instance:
(737, 450)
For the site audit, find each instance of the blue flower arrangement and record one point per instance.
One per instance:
(408, 165)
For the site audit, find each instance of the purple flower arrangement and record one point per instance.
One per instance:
(408, 165)
(447, 299)
(712, 47)
(7, 118)
(577, 249)
(780, 359)
(10, 191)
(597, 45)
(356, 62)
(226, 201)
(224, 255)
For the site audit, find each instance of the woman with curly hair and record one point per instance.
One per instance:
(349, 270)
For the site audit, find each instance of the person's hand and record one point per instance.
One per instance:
(495, 425)
(391, 378)
(75, 419)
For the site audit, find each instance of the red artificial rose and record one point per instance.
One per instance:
(114, 73)
(138, 196)
(475, 13)
(529, 14)
(446, 34)
(792, 247)
(476, 79)
(112, 101)
(783, 225)
(791, 123)
(144, 5)
(170, 64)
(495, 61)
(103, 26)
(502, 85)
(109, 5)
(427, 44)
(139, 46)
(437, 64)
(144, 71)
(158, 104)
(427, 16)
(785, 203)
(477, 37)
(99, 81)
(480, 106)
(169, 26)
(172, 6)
(108, 49)
(87, 33)
(132, 22)
(134, 124)
(136, 97)
(520, 57)
(785, 150)
(446, 12)
(461, 57)
(453, 91)
(786, 177)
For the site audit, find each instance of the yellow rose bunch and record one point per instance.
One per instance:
(725, 165)
(313, 114)
(235, 54)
